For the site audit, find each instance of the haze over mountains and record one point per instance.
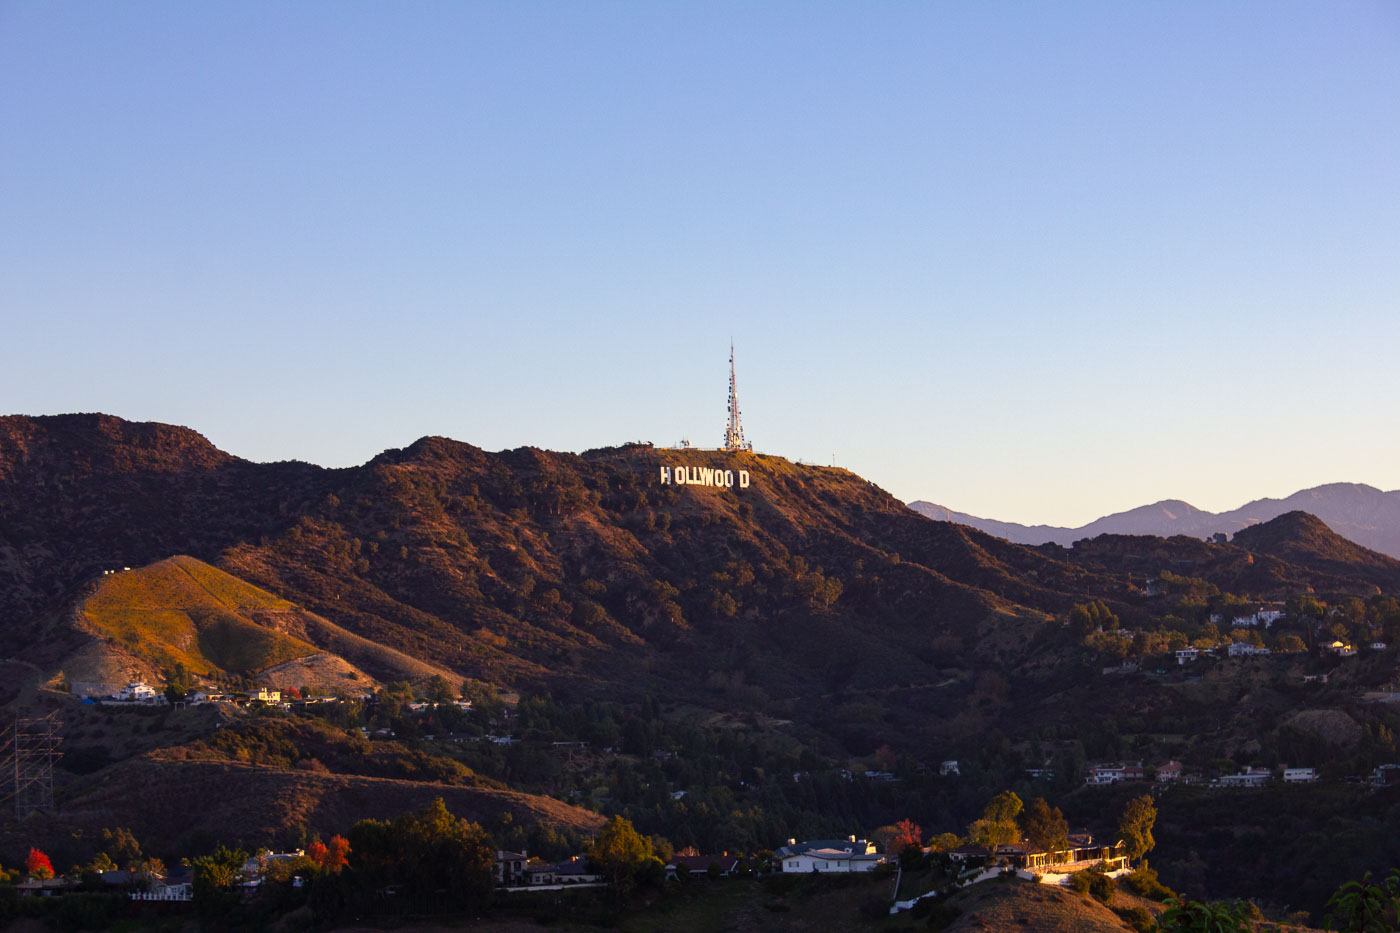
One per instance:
(1355, 511)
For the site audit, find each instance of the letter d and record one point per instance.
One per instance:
(743, 479)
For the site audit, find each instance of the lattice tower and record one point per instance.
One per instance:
(734, 433)
(28, 752)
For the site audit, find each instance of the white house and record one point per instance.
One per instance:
(1299, 775)
(1243, 649)
(949, 768)
(1264, 617)
(845, 855)
(1249, 777)
(829, 860)
(1184, 655)
(138, 692)
(1114, 773)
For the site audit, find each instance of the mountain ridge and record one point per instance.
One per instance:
(1360, 513)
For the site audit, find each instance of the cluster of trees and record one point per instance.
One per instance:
(1308, 622)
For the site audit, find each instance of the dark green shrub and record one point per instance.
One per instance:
(1144, 882)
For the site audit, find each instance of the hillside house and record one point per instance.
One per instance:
(139, 692)
(1386, 776)
(831, 860)
(1170, 772)
(575, 870)
(1341, 649)
(1264, 617)
(1081, 853)
(726, 865)
(1243, 649)
(838, 855)
(965, 853)
(266, 695)
(949, 768)
(1115, 773)
(1299, 775)
(1186, 655)
(538, 872)
(510, 867)
(1249, 777)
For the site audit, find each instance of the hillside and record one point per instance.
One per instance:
(1306, 541)
(754, 647)
(1357, 512)
(181, 613)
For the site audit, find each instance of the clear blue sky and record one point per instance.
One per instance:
(1035, 261)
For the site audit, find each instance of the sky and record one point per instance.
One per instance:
(1036, 262)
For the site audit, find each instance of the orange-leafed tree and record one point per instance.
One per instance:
(337, 854)
(38, 865)
(330, 857)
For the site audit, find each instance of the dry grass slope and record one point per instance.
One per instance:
(182, 611)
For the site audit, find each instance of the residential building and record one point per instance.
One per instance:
(842, 855)
(725, 864)
(1185, 655)
(1115, 773)
(1299, 775)
(510, 867)
(1249, 777)
(1170, 772)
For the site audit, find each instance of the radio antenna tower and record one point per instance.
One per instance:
(734, 433)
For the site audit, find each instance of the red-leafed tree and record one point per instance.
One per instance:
(908, 843)
(910, 836)
(38, 865)
(330, 857)
(337, 854)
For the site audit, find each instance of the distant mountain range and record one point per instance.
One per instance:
(1360, 513)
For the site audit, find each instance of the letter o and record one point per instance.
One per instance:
(680, 476)
(729, 478)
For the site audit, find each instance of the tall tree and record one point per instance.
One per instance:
(1135, 826)
(997, 826)
(620, 851)
(1045, 826)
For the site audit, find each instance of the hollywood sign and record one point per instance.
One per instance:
(704, 476)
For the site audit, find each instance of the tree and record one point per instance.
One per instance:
(439, 690)
(121, 847)
(214, 877)
(337, 855)
(442, 860)
(1365, 906)
(620, 851)
(1135, 826)
(1045, 826)
(997, 826)
(37, 865)
(909, 834)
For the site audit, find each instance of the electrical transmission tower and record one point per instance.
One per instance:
(28, 750)
(734, 433)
